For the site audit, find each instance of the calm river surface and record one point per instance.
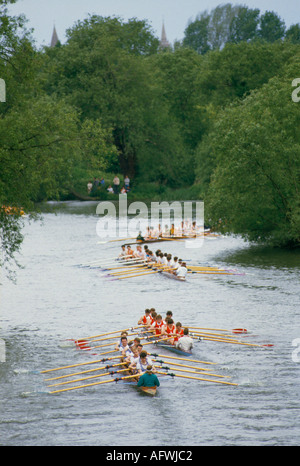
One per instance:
(55, 300)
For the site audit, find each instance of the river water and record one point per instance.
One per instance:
(55, 300)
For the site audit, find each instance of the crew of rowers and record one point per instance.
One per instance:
(186, 228)
(132, 352)
(165, 261)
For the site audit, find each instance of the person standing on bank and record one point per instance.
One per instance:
(116, 183)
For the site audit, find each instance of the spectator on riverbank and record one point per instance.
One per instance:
(110, 189)
(89, 187)
(116, 184)
(127, 183)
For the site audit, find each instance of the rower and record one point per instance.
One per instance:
(143, 361)
(145, 319)
(123, 344)
(157, 325)
(119, 343)
(170, 261)
(169, 330)
(123, 253)
(139, 253)
(169, 315)
(185, 343)
(175, 265)
(178, 331)
(153, 315)
(130, 252)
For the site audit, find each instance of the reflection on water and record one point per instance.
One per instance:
(262, 256)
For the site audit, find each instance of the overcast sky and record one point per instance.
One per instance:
(43, 14)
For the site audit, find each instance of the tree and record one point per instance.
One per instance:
(196, 35)
(293, 34)
(271, 27)
(243, 26)
(106, 71)
(256, 183)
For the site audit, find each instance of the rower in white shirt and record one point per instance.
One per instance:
(123, 253)
(139, 253)
(170, 261)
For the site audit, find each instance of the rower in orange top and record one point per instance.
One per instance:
(129, 252)
(157, 325)
(169, 330)
(145, 319)
(178, 331)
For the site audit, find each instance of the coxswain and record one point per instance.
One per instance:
(140, 237)
(182, 271)
(148, 379)
(172, 230)
(185, 343)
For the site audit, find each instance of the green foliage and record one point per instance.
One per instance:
(232, 23)
(255, 185)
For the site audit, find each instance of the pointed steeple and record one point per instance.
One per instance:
(164, 41)
(54, 39)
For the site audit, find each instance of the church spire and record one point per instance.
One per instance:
(164, 41)
(54, 39)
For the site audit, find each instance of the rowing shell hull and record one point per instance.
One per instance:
(174, 277)
(148, 390)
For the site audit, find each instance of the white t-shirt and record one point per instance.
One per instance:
(181, 272)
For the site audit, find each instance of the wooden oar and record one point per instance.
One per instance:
(95, 383)
(200, 334)
(235, 342)
(196, 267)
(86, 378)
(185, 365)
(85, 372)
(76, 365)
(237, 330)
(108, 333)
(137, 275)
(180, 359)
(197, 378)
(127, 272)
(194, 372)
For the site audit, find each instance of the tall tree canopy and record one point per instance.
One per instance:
(255, 187)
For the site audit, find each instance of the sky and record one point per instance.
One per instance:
(176, 14)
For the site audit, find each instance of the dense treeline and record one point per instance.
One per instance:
(211, 117)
